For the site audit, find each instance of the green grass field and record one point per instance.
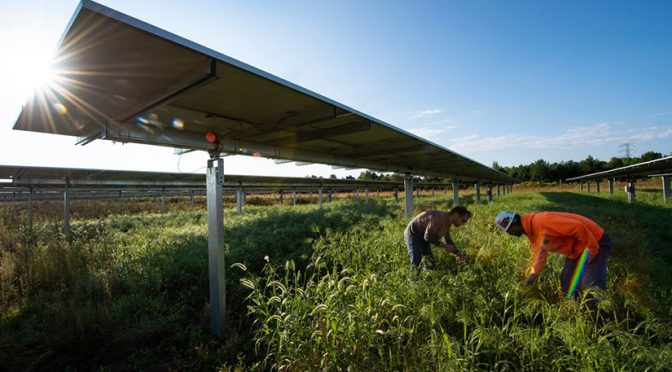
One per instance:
(331, 288)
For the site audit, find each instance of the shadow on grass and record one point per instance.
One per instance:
(641, 234)
(93, 309)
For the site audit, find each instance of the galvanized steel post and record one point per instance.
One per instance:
(30, 208)
(239, 200)
(216, 263)
(666, 188)
(66, 211)
(630, 189)
(611, 186)
(163, 200)
(408, 191)
(456, 192)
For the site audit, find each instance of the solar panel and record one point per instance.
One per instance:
(79, 177)
(643, 169)
(124, 80)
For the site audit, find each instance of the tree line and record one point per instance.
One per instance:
(538, 171)
(543, 171)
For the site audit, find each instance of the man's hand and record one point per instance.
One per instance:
(463, 258)
(530, 279)
(450, 248)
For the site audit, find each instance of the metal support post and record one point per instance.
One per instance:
(630, 189)
(239, 200)
(396, 194)
(597, 186)
(30, 208)
(163, 200)
(366, 195)
(612, 181)
(666, 188)
(477, 187)
(456, 192)
(66, 212)
(408, 191)
(319, 197)
(293, 197)
(588, 183)
(489, 194)
(216, 263)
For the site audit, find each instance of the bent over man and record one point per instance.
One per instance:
(428, 228)
(583, 242)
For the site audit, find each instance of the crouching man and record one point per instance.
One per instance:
(428, 228)
(583, 242)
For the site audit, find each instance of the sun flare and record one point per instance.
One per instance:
(26, 69)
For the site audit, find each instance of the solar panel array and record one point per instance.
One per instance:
(124, 80)
(639, 170)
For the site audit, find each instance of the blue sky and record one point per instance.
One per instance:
(510, 81)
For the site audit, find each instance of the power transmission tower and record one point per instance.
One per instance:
(626, 148)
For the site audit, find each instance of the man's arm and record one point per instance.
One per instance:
(449, 240)
(451, 247)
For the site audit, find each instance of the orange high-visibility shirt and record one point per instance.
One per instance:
(558, 232)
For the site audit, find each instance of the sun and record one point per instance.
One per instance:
(26, 67)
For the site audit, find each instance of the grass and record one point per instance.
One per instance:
(330, 288)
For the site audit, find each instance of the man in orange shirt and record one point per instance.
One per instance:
(429, 227)
(565, 233)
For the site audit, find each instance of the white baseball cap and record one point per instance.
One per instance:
(504, 220)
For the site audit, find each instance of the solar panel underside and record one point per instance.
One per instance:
(124, 80)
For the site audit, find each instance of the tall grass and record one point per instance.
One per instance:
(330, 289)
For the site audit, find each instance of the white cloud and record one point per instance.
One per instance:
(429, 132)
(424, 113)
(594, 135)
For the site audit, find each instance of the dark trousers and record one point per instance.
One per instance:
(594, 273)
(417, 249)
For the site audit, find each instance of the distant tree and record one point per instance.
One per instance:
(591, 165)
(521, 172)
(368, 176)
(333, 176)
(650, 155)
(539, 171)
(568, 169)
(433, 179)
(496, 166)
(349, 178)
(395, 177)
(614, 162)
